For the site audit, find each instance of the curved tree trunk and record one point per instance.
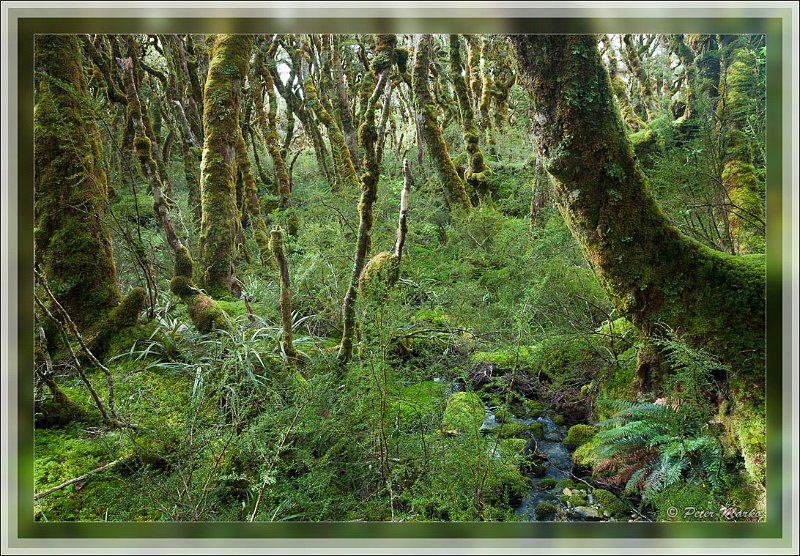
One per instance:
(220, 221)
(205, 313)
(454, 191)
(652, 273)
(73, 244)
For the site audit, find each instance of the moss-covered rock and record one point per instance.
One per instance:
(578, 435)
(609, 503)
(537, 430)
(546, 484)
(545, 511)
(464, 412)
(566, 482)
(380, 274)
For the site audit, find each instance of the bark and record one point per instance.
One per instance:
(205, 313)
(477, 173)
(743, 189)
(652, 273)
(368, 138)
(72, 241)
(647, 102)
(220, 220)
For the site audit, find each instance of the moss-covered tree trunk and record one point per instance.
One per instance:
(455, 193)
(629, 115)
(385, 56)
(73, 244)
(276, 246)
(653, 274)
(205, 313)
(477, 173)
(220, 216)
(345, 171)
(743, 188)
(645, 88)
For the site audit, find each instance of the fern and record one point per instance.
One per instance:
(652, 446)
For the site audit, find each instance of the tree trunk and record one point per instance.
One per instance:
(477, 174)
(455, 193)
(368, 139)
(653, 274)
(276, 246)
(220, 221)
(743, 189)
(205, 313)
(73, 244)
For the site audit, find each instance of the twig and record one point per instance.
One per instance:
(77, 479)
(284, 436)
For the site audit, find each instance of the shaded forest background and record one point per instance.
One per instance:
(293, 277)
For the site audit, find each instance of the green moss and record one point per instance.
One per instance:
(220, 215)
(380, 274)
(545, 511)
(537, 430)
(505, 485)
(464, 412)
(527, 409)
(418, 403)
(558, 420)
(546, 484)
(610, 503)
(652, 273)
(454, 190)
(573, 500)
(578, 435)
(566, 482)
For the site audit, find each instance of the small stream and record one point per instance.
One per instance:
(557, 461)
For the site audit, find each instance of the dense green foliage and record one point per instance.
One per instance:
(492, 345)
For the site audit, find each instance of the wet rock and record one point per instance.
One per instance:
(588, 513)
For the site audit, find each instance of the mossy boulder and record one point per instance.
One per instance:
(558, 420)
(609, 503)
(578, 435)
(527, 409)
(380, 274)
(546, 484)
(464, 412)
(506, 485)
(566, 482)
(537, 430)
(545, 511)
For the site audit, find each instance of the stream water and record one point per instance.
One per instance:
(555, 457)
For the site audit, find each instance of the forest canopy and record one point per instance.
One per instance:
(399, 277)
